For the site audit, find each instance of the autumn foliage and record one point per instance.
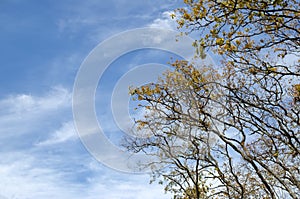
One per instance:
(233, 130)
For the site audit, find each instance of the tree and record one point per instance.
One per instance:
(234, 131)
(175, 136)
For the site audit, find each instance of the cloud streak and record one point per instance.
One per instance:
(65, 133)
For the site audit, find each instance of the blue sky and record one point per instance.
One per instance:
(43, 44)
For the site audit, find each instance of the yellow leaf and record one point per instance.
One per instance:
(172, 15)
(220, 41)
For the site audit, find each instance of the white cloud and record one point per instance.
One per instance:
(290, 60)
(67, 132)
(56, 98)
(23, 177)
(54, 168)
(26, 114)
(136, 189)
(164, 21)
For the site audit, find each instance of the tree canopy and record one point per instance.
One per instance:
(231, 131)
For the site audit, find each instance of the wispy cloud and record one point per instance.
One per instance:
(23, 114)
(101, 20)
(65, 133)
(25, 177)
(56, 98)
(55, 165)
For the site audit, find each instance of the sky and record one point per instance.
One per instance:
(43, 44)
